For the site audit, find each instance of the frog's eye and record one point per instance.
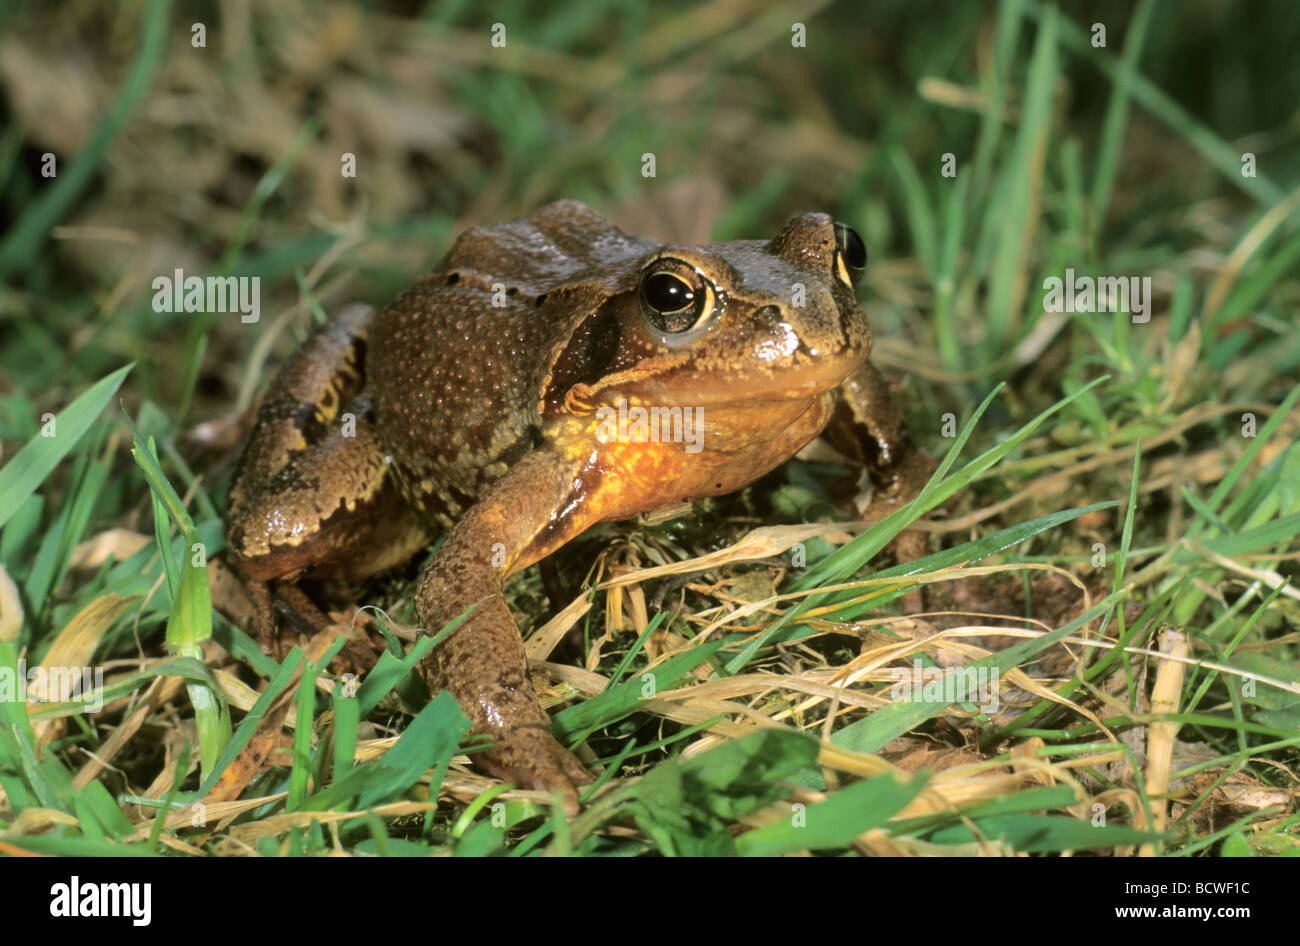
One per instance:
(674, 297)
(850, 254)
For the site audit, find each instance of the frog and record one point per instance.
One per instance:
(482, 405)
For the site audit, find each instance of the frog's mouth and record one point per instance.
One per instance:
(780, 384)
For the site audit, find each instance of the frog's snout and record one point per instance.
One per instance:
(807, 240)
(817, 239)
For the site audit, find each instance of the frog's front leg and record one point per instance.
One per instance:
(521, 518)
(869, 428)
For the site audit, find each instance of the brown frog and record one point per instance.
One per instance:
(486, 400)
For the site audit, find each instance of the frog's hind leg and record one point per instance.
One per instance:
(333, 510)
(313, 494)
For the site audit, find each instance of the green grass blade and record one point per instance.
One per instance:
(248, 726)
(1040, 834)
(836, 821)
(1116, 120)
(622, 700)
(1019, 192)
(23, 475)
(347, 717)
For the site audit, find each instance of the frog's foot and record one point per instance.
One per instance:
(299, 618)
(528, 755)
(484, 667)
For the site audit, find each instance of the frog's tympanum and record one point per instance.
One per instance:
(487, 399)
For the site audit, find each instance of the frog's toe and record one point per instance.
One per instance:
(578, 773)
(529, 756)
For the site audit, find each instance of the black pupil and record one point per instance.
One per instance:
(851, 245)
(667, 293)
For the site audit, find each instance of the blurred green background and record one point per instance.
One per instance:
(226, 158)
